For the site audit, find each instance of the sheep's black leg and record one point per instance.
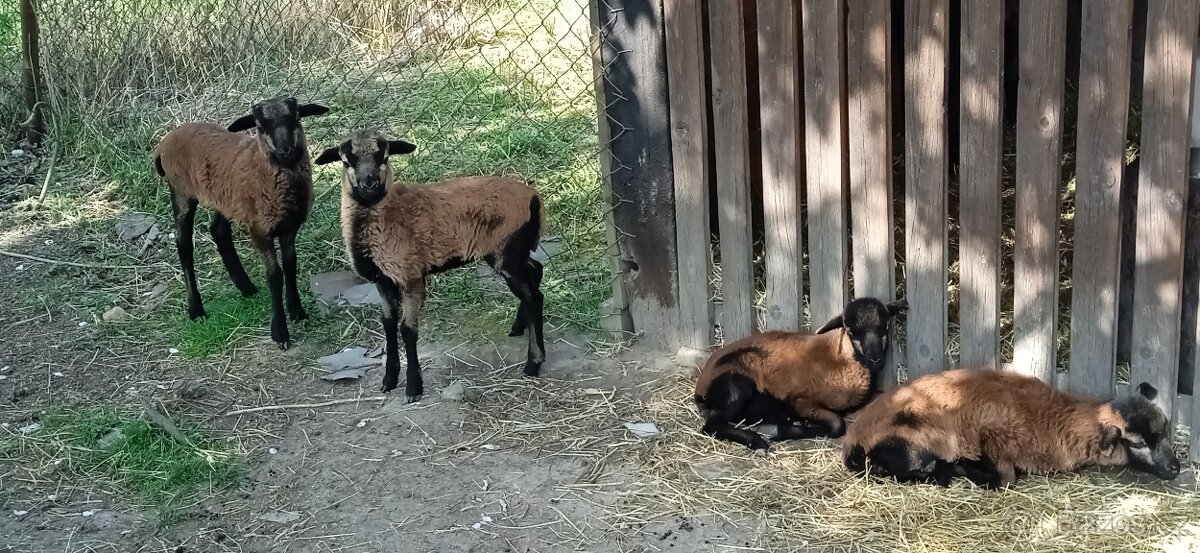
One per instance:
(518, 326)
(982, 472)
(726, 402)
(523, 278)
(834, 426)
(185, 221)
(413, 300)
(266, 248)
(390, 294)
(222, 235)
(287, 250)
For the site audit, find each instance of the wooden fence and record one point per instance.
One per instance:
(769, 161)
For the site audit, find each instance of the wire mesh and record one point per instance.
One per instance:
(481, 86)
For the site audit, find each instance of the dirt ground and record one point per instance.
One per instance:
(517, 465)
(522, 465)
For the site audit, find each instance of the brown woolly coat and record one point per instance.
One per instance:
(230, 173)
(804, 370)
(415, 229)
(1017, 421)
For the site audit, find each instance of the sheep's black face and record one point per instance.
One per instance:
(365, 162)
(278, 123)
(867, 322)
(1147, 436)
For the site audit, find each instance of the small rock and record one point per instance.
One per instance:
(20, 513)
(690, 357)
(112, 439)
(642, 429)
(458, 391)
(362, 294)
(18, 152)
(172, 351)
(117, 313)
(350, 358)
(30, 428)
(87, 513)
(328, 287)
(272, 451)
(132, 225)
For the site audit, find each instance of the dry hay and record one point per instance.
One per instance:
(805, 498)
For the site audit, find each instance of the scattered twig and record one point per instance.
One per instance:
(49, 175)
(303, 405)
(165, 423)
(71, 263)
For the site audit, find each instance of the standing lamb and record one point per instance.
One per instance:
(397, 235)
(803, 383)
(989, 425)
(263, 182)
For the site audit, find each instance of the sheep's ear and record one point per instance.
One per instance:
(313, 109)
(1149, 392)
(397, 147)
(833, 323)
(1109, 436)
(330, 155)
(243, 123)
(897, 307)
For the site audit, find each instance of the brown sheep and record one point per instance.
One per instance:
(803, 383)
(990, 425)
(396, 235)
(263, 182)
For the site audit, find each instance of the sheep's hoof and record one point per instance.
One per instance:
(517, 332)
(759, 446)
(196, 313)
(283, 346)
(532, 369)
(249, 291)
(412, 399)
(298, 314)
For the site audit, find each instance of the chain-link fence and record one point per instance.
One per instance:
(481, 86)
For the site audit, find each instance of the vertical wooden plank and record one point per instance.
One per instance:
(633, 54)
(1166, 112)
(825, 156)
(925, 47)
(868, 87)
(619, 300)
(981, 112)
(1042, 60)
(1100, 163)
(686, 68)
(730, 125)
(779, 73)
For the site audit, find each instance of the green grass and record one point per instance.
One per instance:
(147, 462)
(511, 101)
(230, 318)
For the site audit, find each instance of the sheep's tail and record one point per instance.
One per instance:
(158, 168)
(537, 219)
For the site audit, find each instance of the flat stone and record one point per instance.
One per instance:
(328, 287)
(362, 294)
(115, 314)
(351, 358)
(458, 391)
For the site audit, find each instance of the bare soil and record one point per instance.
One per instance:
(524, 465)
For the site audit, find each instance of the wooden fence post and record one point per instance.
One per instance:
(1039, 168)
(31, 71)
(926, 48)
(982, 134)
(731, 138)
(633, 75)
(1100, 165)
(1162, 194)
(686, 70)
(780, 102)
